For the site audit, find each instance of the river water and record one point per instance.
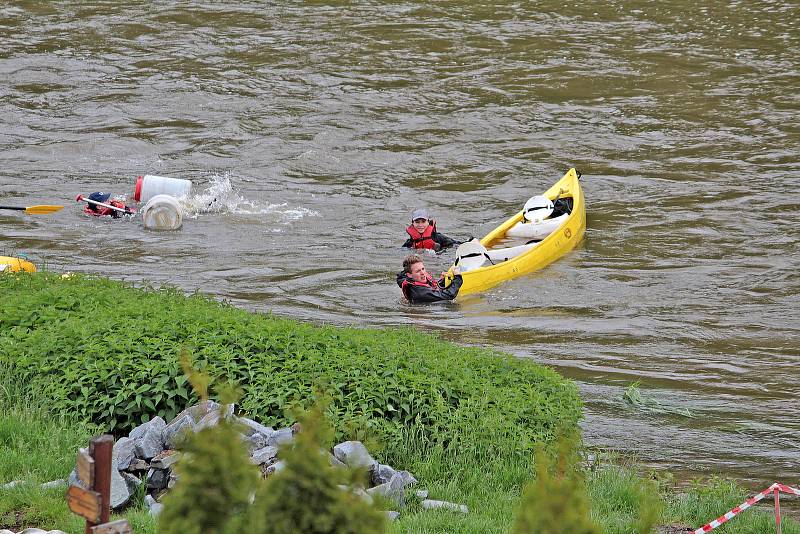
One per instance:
(310, 130)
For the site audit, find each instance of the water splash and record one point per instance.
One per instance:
(222, 197)
(218, 197)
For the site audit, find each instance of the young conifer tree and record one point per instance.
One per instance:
(556, 502)
(216, 478)
(304, 496)
(650, 507)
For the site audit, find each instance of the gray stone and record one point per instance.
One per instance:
(256, 427)
(391, 515)
(149, 442)
(198, 411)
(173, 479)
(157, 479)
(265, 455)
(429, 504)
(382, 474)
(422, 494)
(394, 490)
(209, 420)
(334, 461)
(165, 459)
(124, 453)
(177, 430)
(132, 481)
(139, 465)
(274, 468)
(120, 492)
(408, 478)
(12, 484)
(73, 479)
(354, 454)
(254, 441)
(281, 436)
(360, 492)
(54, 484)
(153, 505)
(139, 431)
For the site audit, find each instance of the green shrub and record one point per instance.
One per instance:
(304, 496)
(556, 502)
(216, 480)
(110, 353)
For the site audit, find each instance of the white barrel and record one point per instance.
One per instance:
(162, 212)
(149, 186)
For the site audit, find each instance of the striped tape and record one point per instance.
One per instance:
(745, 505)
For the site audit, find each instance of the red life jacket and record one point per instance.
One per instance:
(100, 211)
(430, 282)
(422, 240)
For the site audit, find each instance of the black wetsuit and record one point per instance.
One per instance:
(430, 292)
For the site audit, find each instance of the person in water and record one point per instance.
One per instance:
(98, 211)
(422, 233)
(419, 287)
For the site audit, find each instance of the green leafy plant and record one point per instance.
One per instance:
(110, 353)
(633, 395)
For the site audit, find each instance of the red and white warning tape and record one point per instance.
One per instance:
(775, 488)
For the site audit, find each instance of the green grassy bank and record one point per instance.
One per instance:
(82, 355)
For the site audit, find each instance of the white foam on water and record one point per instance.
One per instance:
(221, 197)
(218, 197)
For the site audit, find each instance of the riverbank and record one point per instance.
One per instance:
(83, 355)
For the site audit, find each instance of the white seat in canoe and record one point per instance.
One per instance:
(497, 255)
(470, 255)
(536, 230)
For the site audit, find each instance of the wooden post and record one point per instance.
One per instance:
(776, 492)
(92, 499)
(101, 450)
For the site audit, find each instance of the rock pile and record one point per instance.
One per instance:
(147, 456)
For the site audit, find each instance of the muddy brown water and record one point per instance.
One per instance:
(311, 130)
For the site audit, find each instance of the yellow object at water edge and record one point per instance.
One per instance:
(10, 264)
(519, 258)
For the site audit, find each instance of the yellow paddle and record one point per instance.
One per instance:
(34, 210)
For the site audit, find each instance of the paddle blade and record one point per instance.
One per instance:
(40, 210)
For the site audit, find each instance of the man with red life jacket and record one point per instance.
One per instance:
(92, 207)
(423, 235)
(419, 287)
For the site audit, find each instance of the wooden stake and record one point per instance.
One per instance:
(101, 450)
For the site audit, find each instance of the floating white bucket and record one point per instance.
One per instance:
(162, 212)
(149, 186)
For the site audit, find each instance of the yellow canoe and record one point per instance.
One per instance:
(12, 265)
(563, 239)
